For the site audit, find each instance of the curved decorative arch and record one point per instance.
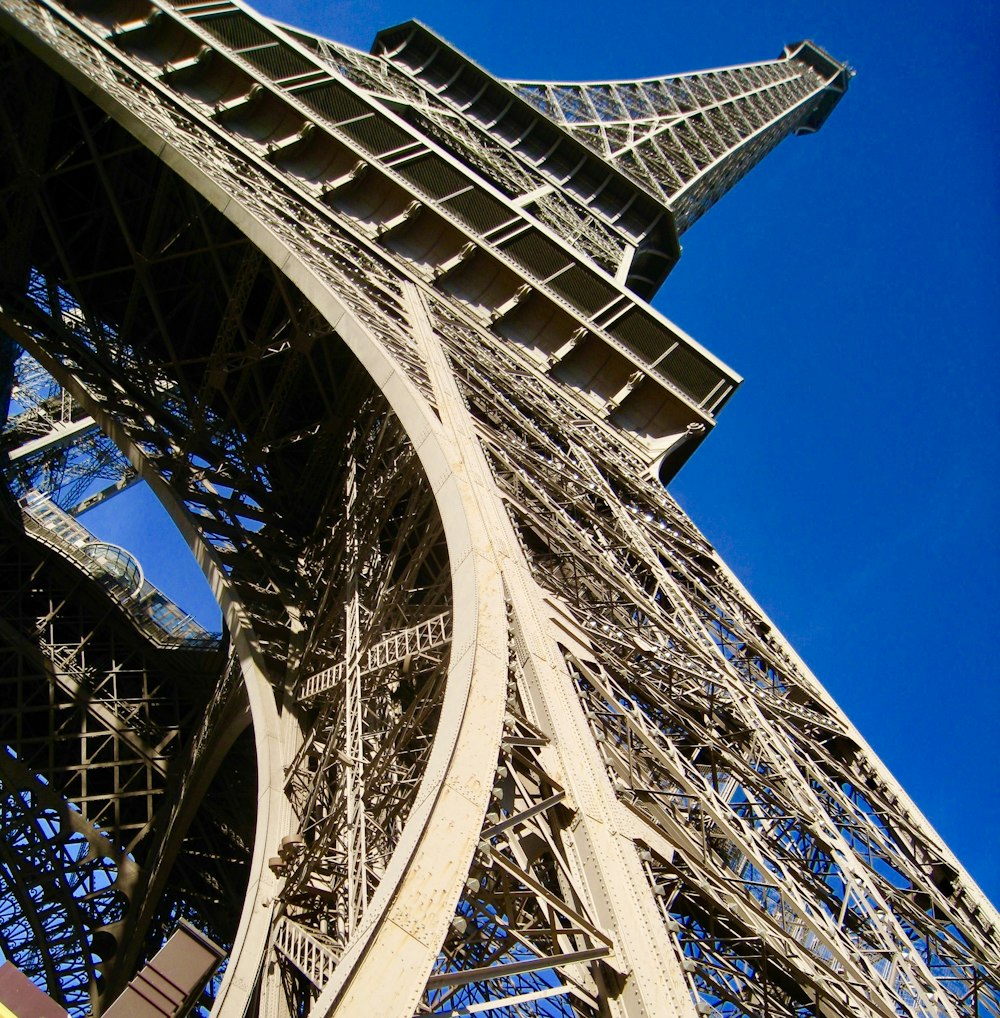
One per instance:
(458, 777)
(675, 803)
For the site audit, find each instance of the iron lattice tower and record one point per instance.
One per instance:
(494, 729)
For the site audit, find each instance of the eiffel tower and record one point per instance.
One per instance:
(492, 729)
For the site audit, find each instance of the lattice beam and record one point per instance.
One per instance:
(518, 737)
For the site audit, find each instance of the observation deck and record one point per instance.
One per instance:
(118, 571)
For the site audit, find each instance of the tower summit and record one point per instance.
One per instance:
(493, 730)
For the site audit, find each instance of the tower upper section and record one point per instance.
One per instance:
(619, 169)
(688, 138)
(465, 185)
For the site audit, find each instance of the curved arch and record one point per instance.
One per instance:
(9, 867)
(72, 854)
(457, 780)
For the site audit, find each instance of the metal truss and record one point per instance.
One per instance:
(496, 731)
(97, 700)
(786, 865)
(605, 242)
(50, 445)
(690, 137)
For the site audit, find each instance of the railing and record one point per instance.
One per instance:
(314, 958)
(398, 647)
(148, 607)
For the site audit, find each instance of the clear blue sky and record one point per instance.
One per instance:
(852, 279)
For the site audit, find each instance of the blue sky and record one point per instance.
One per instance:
(852, 279)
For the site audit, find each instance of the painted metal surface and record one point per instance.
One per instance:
(521, 743)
